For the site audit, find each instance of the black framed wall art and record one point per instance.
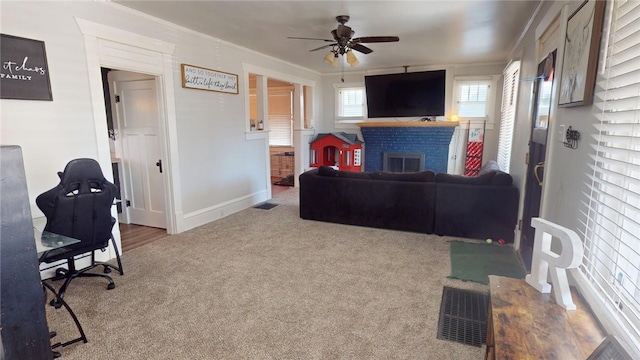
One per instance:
(24, 74)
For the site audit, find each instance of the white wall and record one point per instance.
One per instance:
(218, 168)
(459, 140)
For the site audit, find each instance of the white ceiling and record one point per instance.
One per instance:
(431, 32)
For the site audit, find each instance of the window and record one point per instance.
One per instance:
(508, 113)
(474, 98)
(611, 221)
(350, 102)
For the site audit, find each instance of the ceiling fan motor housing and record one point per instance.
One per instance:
(342, 19)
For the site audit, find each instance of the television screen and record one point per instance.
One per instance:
(406, 94)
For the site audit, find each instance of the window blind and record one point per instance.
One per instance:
(511, 76)
(351, 102)
(280, 117)
(472, 99)
(611, 216)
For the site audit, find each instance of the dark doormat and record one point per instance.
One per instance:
(463, 316)
(474, 261)
(265, 206)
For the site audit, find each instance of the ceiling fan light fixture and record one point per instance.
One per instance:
(332, 59)
(351, 58)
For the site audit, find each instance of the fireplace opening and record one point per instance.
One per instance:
(402, 162)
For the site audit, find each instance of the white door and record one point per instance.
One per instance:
(143, 177)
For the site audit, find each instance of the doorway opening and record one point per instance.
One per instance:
(280, 121)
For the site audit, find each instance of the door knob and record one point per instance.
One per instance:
(538, 166)
(159, 165)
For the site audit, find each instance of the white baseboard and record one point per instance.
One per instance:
(212, 213)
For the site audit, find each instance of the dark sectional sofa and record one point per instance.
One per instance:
(480, 207)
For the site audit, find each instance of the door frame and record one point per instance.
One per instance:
(302, 135)
(533, 186)
(557, 10)
(118, 49)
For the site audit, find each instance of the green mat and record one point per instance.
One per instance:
(476, 261)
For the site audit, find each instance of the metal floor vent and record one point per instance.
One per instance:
(610, 349)
(463, 316)
(265, 206)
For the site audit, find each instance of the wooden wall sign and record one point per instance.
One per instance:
(24, 74)
(194, 77)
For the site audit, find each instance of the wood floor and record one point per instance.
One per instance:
(133, 236)
(276, 189)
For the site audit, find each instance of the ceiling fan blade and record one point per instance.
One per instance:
(376, 39)
(322, 47)
(306, 38)
(363, 49)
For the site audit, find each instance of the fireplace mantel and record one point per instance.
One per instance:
(410, 124)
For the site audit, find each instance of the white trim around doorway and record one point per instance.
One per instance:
(110, 47)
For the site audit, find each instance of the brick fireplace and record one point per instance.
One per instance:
(403, 142)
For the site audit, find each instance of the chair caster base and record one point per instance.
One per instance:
(55, 303)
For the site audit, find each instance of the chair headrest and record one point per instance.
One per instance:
(82, 175)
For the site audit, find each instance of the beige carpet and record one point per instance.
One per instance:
(265, 284)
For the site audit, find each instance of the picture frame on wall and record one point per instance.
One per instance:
(196, 77)
(24, 74)
(581, 49)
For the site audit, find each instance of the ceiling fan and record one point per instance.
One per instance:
(343, 42)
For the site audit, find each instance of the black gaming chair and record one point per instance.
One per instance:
(80, 207)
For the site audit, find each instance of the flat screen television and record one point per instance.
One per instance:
(407, 94)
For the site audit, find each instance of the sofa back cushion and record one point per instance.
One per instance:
(331, 172)
(489, 166)
(484, 179)
(491, 178)
(420, 176)
(502, 179)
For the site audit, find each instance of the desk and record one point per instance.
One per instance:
(45, 243)
(526, 324)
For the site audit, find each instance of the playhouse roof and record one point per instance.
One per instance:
(347, 138)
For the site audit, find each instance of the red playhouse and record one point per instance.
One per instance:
(338, 149)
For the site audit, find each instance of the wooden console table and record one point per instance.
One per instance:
(526, 324)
